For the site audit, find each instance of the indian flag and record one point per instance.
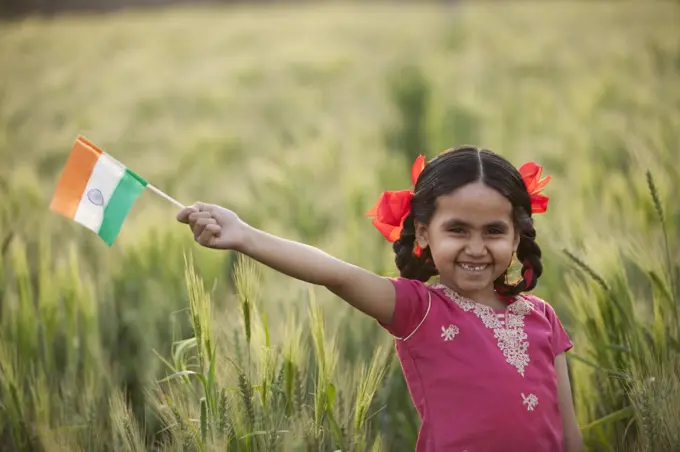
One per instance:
(96, 190)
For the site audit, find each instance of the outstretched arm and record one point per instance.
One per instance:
(216, 227)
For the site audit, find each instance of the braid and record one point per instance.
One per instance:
(529, 254)
(410, 266)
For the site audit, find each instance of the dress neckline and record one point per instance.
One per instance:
(462, 300)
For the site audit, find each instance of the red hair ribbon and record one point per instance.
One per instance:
(531, 174)
(528, 270)
(392, 208)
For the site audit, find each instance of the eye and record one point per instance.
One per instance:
(496, 231)
(457, 230)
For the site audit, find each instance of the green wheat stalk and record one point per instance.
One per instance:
(588, 269)
(662, 219)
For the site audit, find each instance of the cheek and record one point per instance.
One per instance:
(502, 250)
(447, 248)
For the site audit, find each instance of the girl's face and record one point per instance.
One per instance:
(471, 238)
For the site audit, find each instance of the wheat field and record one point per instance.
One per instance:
(297, 117)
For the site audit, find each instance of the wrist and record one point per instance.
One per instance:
(246, 238)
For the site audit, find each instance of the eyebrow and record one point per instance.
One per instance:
(456, 222)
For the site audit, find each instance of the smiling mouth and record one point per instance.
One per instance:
(475, 268)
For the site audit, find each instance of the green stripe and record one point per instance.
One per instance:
(137, 176)
(124, 196)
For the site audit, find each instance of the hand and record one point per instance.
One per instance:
(213, 226)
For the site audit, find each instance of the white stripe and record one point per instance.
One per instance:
(105, 177)
(113, 160)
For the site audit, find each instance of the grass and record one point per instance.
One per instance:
(297, 120)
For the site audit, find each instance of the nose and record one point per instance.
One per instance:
(475, 247)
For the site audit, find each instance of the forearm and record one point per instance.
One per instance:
(371, 294)
(291, 258)
(573, 441)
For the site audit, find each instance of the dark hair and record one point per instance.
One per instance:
(453, 169)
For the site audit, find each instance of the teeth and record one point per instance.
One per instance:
(473, 268)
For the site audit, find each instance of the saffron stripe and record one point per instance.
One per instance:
(74, 178)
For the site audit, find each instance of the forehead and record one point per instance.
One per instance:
(475, 204)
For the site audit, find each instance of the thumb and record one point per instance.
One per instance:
(206, 207)
(183, 215)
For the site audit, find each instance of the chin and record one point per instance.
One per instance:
(473, 286)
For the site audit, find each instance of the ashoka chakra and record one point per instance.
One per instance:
(95, 197)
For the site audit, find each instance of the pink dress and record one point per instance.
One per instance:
(482, 379)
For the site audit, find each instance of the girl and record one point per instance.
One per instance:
(483, 360)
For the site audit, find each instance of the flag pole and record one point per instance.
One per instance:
(163, 195)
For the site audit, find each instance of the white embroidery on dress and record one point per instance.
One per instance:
(512, 340)
(449, 332)
(530, 401)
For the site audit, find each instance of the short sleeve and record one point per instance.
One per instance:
(560, 339)
(412, 303)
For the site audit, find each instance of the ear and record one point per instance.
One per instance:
(421, 234)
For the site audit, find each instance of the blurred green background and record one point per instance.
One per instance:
(297, 116)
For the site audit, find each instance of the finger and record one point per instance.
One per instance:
(210, 233)
(183, 215)
(194, 217)
(200, 225)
